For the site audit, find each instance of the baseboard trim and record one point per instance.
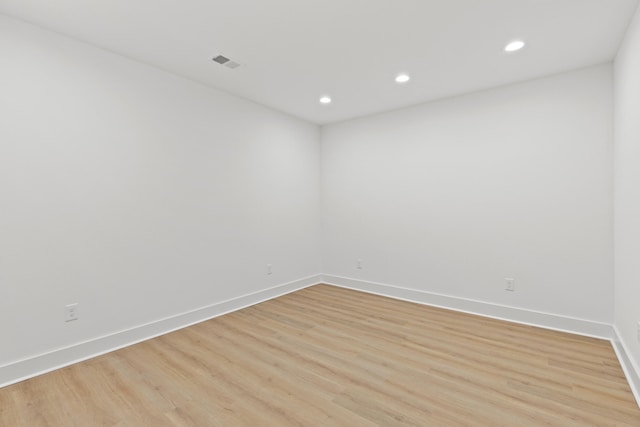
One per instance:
(502, 312)
(46, 362)
(630, 369)
(511, 314)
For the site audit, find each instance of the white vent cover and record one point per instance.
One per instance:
(223, 60)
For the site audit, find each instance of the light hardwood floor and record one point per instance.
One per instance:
(326, 356)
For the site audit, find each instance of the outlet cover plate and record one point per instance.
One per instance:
(71, 312)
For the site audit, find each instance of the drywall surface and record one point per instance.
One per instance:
(137, 194)
(454, 196)
(627, 192)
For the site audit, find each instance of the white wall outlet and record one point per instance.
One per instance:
(359, 264)
(269, 270)
(71, 312)
(510, 284)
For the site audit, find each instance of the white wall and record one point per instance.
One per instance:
(627, 191)
(137, 194)
(453, 196)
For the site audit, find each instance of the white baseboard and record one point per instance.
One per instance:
(512, 314)
(30, 367)
(631, 370)
(33, 366)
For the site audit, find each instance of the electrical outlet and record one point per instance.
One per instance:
(359, 264)
(510, 284)
(71, 312)
(269, 270)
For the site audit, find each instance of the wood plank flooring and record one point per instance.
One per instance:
(326, 356)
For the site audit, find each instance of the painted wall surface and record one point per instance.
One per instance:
(627, 191)
(454, 196)
(137, 194)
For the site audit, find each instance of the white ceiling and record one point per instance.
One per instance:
(293, 51)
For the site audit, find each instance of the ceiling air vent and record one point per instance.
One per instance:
(223, 60)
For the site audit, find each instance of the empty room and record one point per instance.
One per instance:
(320, 213)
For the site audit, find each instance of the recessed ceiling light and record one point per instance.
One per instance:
(402, 78)
(514, 46)
(325, 100)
